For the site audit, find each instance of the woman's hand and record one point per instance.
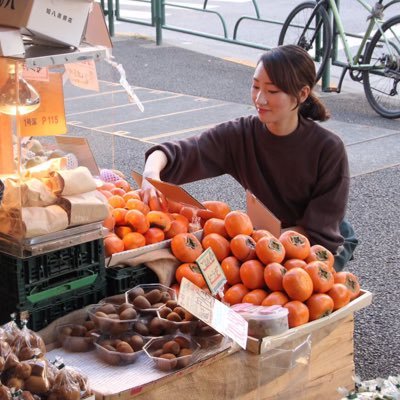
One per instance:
(153, 197)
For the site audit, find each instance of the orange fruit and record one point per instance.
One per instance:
(252, 274)
(119, 215)
(131, 195)
(133, 240)
(255, 296)
(135, 204)
(219, 245)
(122, 230)
(123, 184)
(137, 221)
(116, 201)
(275, 298)
(177, 226)
(215, 225)
(273, 276)
(231, 267)
(340, 295)
(117, 191)
(235, 294)
(154, 235)
(298, 313)
(298, 284)
(159, 219)
(350, 281)
(113, 244)
(260, 233)
(237, 222)
(319, 305)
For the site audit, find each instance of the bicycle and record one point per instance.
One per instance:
(376, 62)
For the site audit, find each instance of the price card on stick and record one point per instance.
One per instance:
(212, 271)
(83, 74)
(214, 313)
(49, 118)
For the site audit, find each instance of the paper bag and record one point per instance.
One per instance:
(72, 181)
(85, 208)
(43, 170)
(42, 220)
(36, 194)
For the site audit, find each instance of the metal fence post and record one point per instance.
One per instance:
(158, 20)
(110, 12)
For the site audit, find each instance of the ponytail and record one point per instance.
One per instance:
(314, 109)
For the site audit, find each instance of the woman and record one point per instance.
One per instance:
(297, 168)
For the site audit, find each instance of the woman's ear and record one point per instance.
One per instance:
(304, 93)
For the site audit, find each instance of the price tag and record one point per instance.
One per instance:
(212, 271)
(214, 313)
(49, 118)
(83, 74)
(36, 74)
(7, 164)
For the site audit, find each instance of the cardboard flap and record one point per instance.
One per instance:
(261, 217)
(96, 32)
(170, 191)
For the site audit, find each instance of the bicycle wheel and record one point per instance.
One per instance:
(309, 27)
(381, 81)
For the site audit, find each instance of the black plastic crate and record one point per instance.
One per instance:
(28, 279)
(119, 280)
(43, 312)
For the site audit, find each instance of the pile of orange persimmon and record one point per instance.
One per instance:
(264, 270)
(133, 224)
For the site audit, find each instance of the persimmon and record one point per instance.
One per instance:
(350, 281)
(319, 305)
(135, 204)
(275, 298)
(260, 233)
(122, 230)
(255, 297)
(174, 206)
(132, 194)
(123, 184)
(186, 247)
(190, 213)
(118, 192)
(113, 244)
(219, 208)
(119, 215)
(159, 219)
(116, 201)
(298, 313)
(270, 250)
(219, 245)
(235, 294)
(215, 225)
(243, 247)
(252, 274)
(231, 267)
(177, 226)
(238, 222)
(179, 217)
(296, 245)
(320, 253)
(133, 240)
(137, 221)
(340, 295)
(273, 276)
(191, 272)
(109, 222)
(154, 235)
(297, 284)
(107, 194)
(294, 263)
(106, 186)
(321, 276)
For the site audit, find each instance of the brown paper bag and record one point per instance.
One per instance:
(44, 170)
(71, 182)
(36, 194)
(42, 220)
(85, 208)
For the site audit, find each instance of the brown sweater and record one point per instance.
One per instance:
(303, 178)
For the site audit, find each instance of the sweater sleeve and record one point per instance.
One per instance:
(327, 206)
(198, 157)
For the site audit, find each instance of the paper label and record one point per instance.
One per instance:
(80, 147)
(83, 74)
(49, 118)
(211, 270)
(36, 73)
(211, 311)
(7, 164)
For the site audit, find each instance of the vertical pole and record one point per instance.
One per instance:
(326, 76)
(110, 13)
(158, 20)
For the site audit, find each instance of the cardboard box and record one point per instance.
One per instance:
(260, 346)
(10, 42)
(59, 21)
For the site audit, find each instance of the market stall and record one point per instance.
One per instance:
(200, 300)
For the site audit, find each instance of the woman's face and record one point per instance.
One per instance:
(275, 108)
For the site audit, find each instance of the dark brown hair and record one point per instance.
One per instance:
(291, 68)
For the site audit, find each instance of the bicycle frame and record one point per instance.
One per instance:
(353, 61)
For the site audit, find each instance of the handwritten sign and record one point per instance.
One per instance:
(212, 271)
(83, 74)
(36, 74)
(49, 118)
(214, 313)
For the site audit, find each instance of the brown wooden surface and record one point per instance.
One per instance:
(248, 376)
